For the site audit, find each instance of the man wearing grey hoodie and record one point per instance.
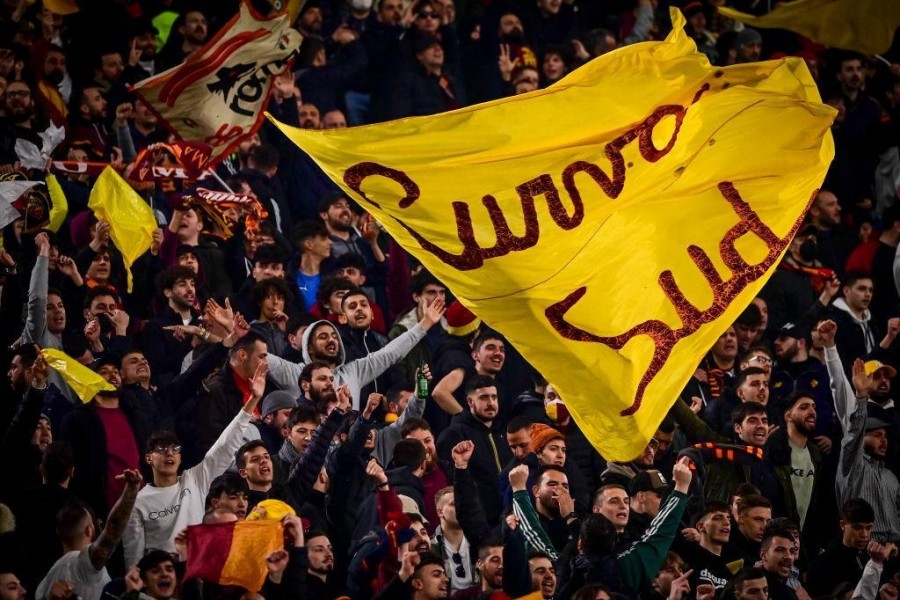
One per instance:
(321, 341)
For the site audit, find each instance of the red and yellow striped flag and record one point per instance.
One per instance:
(233, 553)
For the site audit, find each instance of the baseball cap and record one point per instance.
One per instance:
(873, 423)
(650, 480)
(795, 331)
(875, 365)
(276, 401)
(411, 508)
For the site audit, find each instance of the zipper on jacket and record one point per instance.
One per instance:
(494, 450)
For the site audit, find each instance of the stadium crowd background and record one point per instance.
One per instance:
(315, 362)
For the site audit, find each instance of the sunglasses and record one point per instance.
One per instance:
(460, 569)
(426, 14)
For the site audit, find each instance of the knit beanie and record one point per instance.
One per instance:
(541, 435)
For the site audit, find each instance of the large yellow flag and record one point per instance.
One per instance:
(131, 221)
(612, 225)
(864, 25)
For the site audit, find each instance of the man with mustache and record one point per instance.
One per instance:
(777, 561)
(165, 351)
(52, 75)
(19, 122)
(317, 386)
(553, 504)
(189, 34)
(797, 369)
(862, 472)
(881, 405)
(797, 463)
(321, 580)
(480, 424)
(321, 341)
(361, 339)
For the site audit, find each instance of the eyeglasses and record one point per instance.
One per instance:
(765, 360)
(653, 444)
(457, 560)
(162, 449)
(426, 15)
(17, 93)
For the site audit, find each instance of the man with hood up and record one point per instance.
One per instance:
(321, 341)
(858, 334)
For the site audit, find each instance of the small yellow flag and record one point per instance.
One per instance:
(612, 225)
(59, 203)
(863, 25)
(131, 221)
(85, 382)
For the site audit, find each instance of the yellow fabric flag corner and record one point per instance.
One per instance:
(866, 26)
(59, 203)
(612, 225)
(131, 221)
(85, 382)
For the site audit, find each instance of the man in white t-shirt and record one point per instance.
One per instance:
(172, 501)
(82, 568)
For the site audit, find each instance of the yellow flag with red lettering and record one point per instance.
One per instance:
(867, 26)
(612, 225)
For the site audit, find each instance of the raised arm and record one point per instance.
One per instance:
(304, 472)
(535, 536)
(286, 374)
(367, 368)
(695, 428)
(640, 563)
(841, 390)
(102, 549)
(36, 320)
(854, 434)
(469, 512)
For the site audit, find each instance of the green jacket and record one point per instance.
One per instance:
(633, 570)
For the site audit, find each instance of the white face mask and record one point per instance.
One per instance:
(361, 5)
